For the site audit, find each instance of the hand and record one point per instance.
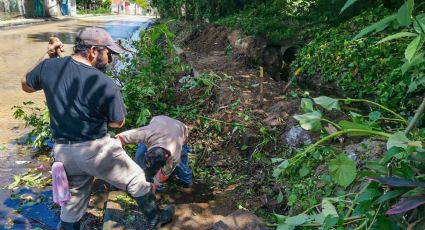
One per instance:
(156, 184)
(55, 47)
(160, 177)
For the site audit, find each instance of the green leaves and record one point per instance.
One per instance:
(398, 139)
(289, 223)
(412, 48)
(343, 170)
(279, 169)
(397, 36)
(376, 27)
(404, 14)
(346, 5)
(310, 121)
(327, 102)
(416, 60)
(307, 105)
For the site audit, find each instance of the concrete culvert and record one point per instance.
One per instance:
(288, 53)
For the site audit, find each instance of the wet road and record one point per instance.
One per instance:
(20, 48)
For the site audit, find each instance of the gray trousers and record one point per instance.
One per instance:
(103, 158)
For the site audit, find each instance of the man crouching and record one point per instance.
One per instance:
(164, 139)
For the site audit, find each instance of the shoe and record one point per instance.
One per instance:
(155, 217)
(68, 226)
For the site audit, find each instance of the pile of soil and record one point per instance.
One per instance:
(238, 91)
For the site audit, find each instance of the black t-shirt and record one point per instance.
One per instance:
(80, 98)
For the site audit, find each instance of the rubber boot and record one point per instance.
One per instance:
(69, 226)
(155, 217)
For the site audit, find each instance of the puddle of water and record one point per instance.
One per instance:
(31, 209)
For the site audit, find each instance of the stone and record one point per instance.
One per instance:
(240, 219)
(297, 137)
(368, 149)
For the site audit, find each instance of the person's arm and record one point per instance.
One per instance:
(133, 136)
(116, 124)
(54, 49)
(115, 108)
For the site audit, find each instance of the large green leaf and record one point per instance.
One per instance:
(327, 102)
(329, 222)
(343, 170)
(378, 26)
(389, 195)
(310, 121)
(404, 13)
(412, 48)
(298, 219)
(414, 84)
(307, 105)
(328, 209)
(416, 60)
(397, 36)
(398, 139)
(351, 125)
(280, 168)
(419, 23)
(291, 222)
(346, 5)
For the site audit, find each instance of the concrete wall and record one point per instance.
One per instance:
(12, 8)
(53, 8)
(26, 8)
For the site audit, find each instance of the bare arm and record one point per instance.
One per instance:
(116, 124)
(54, 49)
(133, 136)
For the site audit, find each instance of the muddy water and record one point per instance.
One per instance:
(20, 48)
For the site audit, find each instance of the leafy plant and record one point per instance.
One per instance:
(149, 77)
(32, 179)
(37, 118)
(400, 162)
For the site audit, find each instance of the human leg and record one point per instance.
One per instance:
(113, 165)
(155, 216)
(80, 185)
(140, 155)
(183, 170)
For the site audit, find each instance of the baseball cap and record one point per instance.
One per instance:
(95, 36)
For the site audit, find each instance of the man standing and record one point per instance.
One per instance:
(166, 151)
(82, 102)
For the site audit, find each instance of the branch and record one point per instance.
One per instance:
(415, 118)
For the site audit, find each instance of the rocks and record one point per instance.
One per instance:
(297, 137)
(367, 149)
(240, 220)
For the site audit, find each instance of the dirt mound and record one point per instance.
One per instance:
(212, 38)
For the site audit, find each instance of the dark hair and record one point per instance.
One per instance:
(80, 48)
(155, 158)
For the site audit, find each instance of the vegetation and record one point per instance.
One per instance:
(372, 52)
(96, 7)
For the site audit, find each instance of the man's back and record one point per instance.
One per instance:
(81, 99)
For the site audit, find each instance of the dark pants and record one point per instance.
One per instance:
(182, 171)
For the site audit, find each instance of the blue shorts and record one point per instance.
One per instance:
(182, 171)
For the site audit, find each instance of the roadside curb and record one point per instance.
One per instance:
(34, 21)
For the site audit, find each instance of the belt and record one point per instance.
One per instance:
(68, 142)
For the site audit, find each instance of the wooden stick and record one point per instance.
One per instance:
(261, 85)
